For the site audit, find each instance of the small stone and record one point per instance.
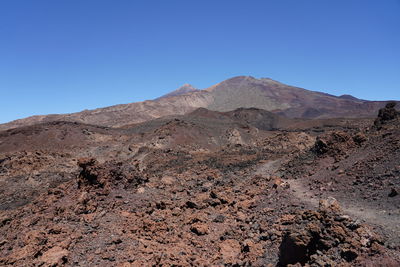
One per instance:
(349, 254)
(219, 219)
(116, 241)
(168, 180)
(230, 250)
(4, 220)
(393, 193)
(240, 216)
(294, 248)
(341, 218)
(277, 183)
(55, 256)
(199, 228)
(329, 204)
(191, 205)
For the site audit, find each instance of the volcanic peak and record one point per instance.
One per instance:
(184, 89)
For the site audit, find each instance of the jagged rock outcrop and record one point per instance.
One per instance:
(313, 237)
(386, 114)
(107, 174)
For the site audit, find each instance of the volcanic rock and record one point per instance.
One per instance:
(55, 256)
(230, 250)
(318, 234)
(393, 193)
(200, 228)
(386, 114)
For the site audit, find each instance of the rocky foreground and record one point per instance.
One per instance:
(308, 195)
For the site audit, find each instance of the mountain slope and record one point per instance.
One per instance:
(237, 92)
(184, 89)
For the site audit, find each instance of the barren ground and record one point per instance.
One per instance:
(201, 190)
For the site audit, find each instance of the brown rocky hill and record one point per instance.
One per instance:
(203, 189)
(237, 92)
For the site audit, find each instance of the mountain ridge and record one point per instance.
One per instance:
(233, 93)
(184, 89)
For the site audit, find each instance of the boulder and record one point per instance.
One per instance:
(230, 250)
(55, 256)
(386, 114)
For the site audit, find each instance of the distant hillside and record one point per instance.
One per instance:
(237, 92)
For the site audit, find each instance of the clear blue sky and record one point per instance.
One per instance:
(69, 55)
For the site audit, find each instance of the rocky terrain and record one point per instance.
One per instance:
(245, 187)
(234, 93)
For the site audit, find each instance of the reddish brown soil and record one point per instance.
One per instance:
(190, 191)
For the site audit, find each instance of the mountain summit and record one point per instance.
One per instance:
(236, 92)
(184, 89)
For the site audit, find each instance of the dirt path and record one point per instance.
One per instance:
(386, 221)
(268, 168)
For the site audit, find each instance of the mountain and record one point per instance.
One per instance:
(184, 89)
(237, 92)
